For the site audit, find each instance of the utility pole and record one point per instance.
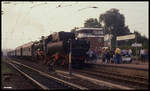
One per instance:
(70, 53)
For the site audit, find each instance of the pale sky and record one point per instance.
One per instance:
(23, 22)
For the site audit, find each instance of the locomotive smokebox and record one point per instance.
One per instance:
(79, 47)
(58, 47)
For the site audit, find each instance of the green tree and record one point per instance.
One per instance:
(92, 23)
(142, 39)
(74, 30)
(114, 22)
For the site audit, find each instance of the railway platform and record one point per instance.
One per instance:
(134, 64)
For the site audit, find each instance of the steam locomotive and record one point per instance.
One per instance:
(54, 49)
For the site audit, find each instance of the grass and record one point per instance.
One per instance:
(5, 69)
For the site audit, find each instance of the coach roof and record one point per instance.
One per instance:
(27, 45)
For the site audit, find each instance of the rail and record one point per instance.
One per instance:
(55, 78)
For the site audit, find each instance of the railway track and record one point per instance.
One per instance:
(115, 83)
(84, 82)
(97, 81)
(136, 82)
(133, 81)
(127, 72)
(121, 75)
(29, 77)
(43, 80)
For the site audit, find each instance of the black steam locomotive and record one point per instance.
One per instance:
(54, 49)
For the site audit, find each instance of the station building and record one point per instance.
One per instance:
(94, 35)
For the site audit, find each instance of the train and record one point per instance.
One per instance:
(54, 49)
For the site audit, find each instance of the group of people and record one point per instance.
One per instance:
(126, 52)
(107, 55)
(115, 56)
(92, 55)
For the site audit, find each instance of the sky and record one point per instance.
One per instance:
(23, 22)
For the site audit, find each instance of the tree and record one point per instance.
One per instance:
(114, 22)
(142, 39)
(74, 30)
(92, 23)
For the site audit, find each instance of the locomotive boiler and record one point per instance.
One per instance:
(59, 47)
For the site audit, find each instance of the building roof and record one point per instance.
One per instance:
(87, 35)
(18, 47)
(27, 45)
(88, 30)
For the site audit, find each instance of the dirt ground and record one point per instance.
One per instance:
(12, 79)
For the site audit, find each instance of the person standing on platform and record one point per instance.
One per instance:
(118, 55)
(112, 56)
(108, 56)
(130, 52)
(103, 55)
(88, 55)
(124, 52)
(142, 54)
(91, 55)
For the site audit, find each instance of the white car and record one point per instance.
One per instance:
(126, 59)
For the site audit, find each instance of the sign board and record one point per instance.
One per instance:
(126, 37)
(137, 45)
